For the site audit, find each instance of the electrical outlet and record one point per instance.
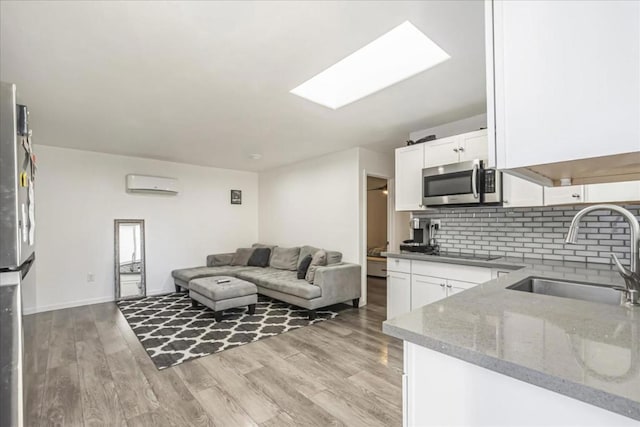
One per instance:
(91, 277)
(436, 223)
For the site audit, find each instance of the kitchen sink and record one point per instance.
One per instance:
(569, 289)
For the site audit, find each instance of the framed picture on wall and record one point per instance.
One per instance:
(236, 197)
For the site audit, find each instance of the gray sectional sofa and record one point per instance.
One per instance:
(337, 282)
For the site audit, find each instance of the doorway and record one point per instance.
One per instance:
(377, 239)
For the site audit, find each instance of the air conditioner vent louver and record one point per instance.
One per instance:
(151, 184)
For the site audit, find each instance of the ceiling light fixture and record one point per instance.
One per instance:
(255, 156)
(395, 56)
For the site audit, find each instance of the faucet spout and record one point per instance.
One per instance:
(631, 276)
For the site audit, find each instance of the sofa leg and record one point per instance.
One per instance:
(177, 287)
(356, 303)
(312, 314)
(218, 316)
(194, 303)
(252, 308)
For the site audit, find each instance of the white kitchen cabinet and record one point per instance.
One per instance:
(455, 286)
(564, 86)
(454, 149)
(409, 164)
(426, 290)
(413, 283)
(568, 195)
(442, 390)
(613, 192)
(442, 152)
(398, 294)
(473, 145)
(520, 192)
(459, 272)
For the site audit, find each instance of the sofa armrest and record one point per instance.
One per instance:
(339, 282)
(217, 260)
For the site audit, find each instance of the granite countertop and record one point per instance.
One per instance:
(588, 351)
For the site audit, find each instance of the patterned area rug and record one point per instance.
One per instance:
(172, 331)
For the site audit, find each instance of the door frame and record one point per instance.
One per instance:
(363, 224)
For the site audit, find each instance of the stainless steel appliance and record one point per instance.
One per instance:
(17, 246)
(464, 183)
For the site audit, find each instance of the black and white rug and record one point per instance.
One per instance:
(172, 331)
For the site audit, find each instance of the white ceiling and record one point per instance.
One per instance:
(208, 83)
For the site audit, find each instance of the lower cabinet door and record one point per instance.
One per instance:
(455, 286)
(426, 290)
(398, 294)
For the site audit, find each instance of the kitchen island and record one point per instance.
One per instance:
(490, 355)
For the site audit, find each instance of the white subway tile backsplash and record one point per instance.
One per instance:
(533, 232)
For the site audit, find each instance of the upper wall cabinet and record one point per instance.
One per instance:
(563, 89)
(518, 192)
(409, 164)
(614, 192)
(458, 148)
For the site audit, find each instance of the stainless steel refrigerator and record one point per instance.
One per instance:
(17, 246)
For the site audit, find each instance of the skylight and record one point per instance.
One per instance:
(395, 56)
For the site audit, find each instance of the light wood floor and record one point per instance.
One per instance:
(84, 366)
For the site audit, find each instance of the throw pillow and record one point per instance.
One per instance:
(260, 257)
(319, 259)
(306, 250)
(304, 267)
(218, 260)
(334, 257)
(285, 258)
(241, 257)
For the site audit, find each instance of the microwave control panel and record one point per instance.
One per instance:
(490, 181)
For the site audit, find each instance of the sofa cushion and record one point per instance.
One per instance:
(334, 257)
(281, 281)
(285, 258)
(319, 259)
(242, 255)
(188, 274)
(260, 257)
(306, 250)
(304, 266)
(263, 245)
(217, 260)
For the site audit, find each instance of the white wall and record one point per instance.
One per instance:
(314, 202)
(80, 193)
(454, 128)
(322, 202)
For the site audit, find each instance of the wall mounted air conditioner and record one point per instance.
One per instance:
(151, 184)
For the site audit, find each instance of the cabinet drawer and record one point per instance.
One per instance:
(460, 284)
(464, 273)
(399, 265)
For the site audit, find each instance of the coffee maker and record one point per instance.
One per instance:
(420, 240)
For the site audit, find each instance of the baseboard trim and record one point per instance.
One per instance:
(44, 308)
(51, 307)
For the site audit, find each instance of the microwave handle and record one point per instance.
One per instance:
(474, 181)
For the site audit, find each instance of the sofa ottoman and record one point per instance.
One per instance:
(221, 293)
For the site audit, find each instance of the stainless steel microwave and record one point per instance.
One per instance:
(465, 183)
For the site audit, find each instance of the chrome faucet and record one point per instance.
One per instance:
(630, 275)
